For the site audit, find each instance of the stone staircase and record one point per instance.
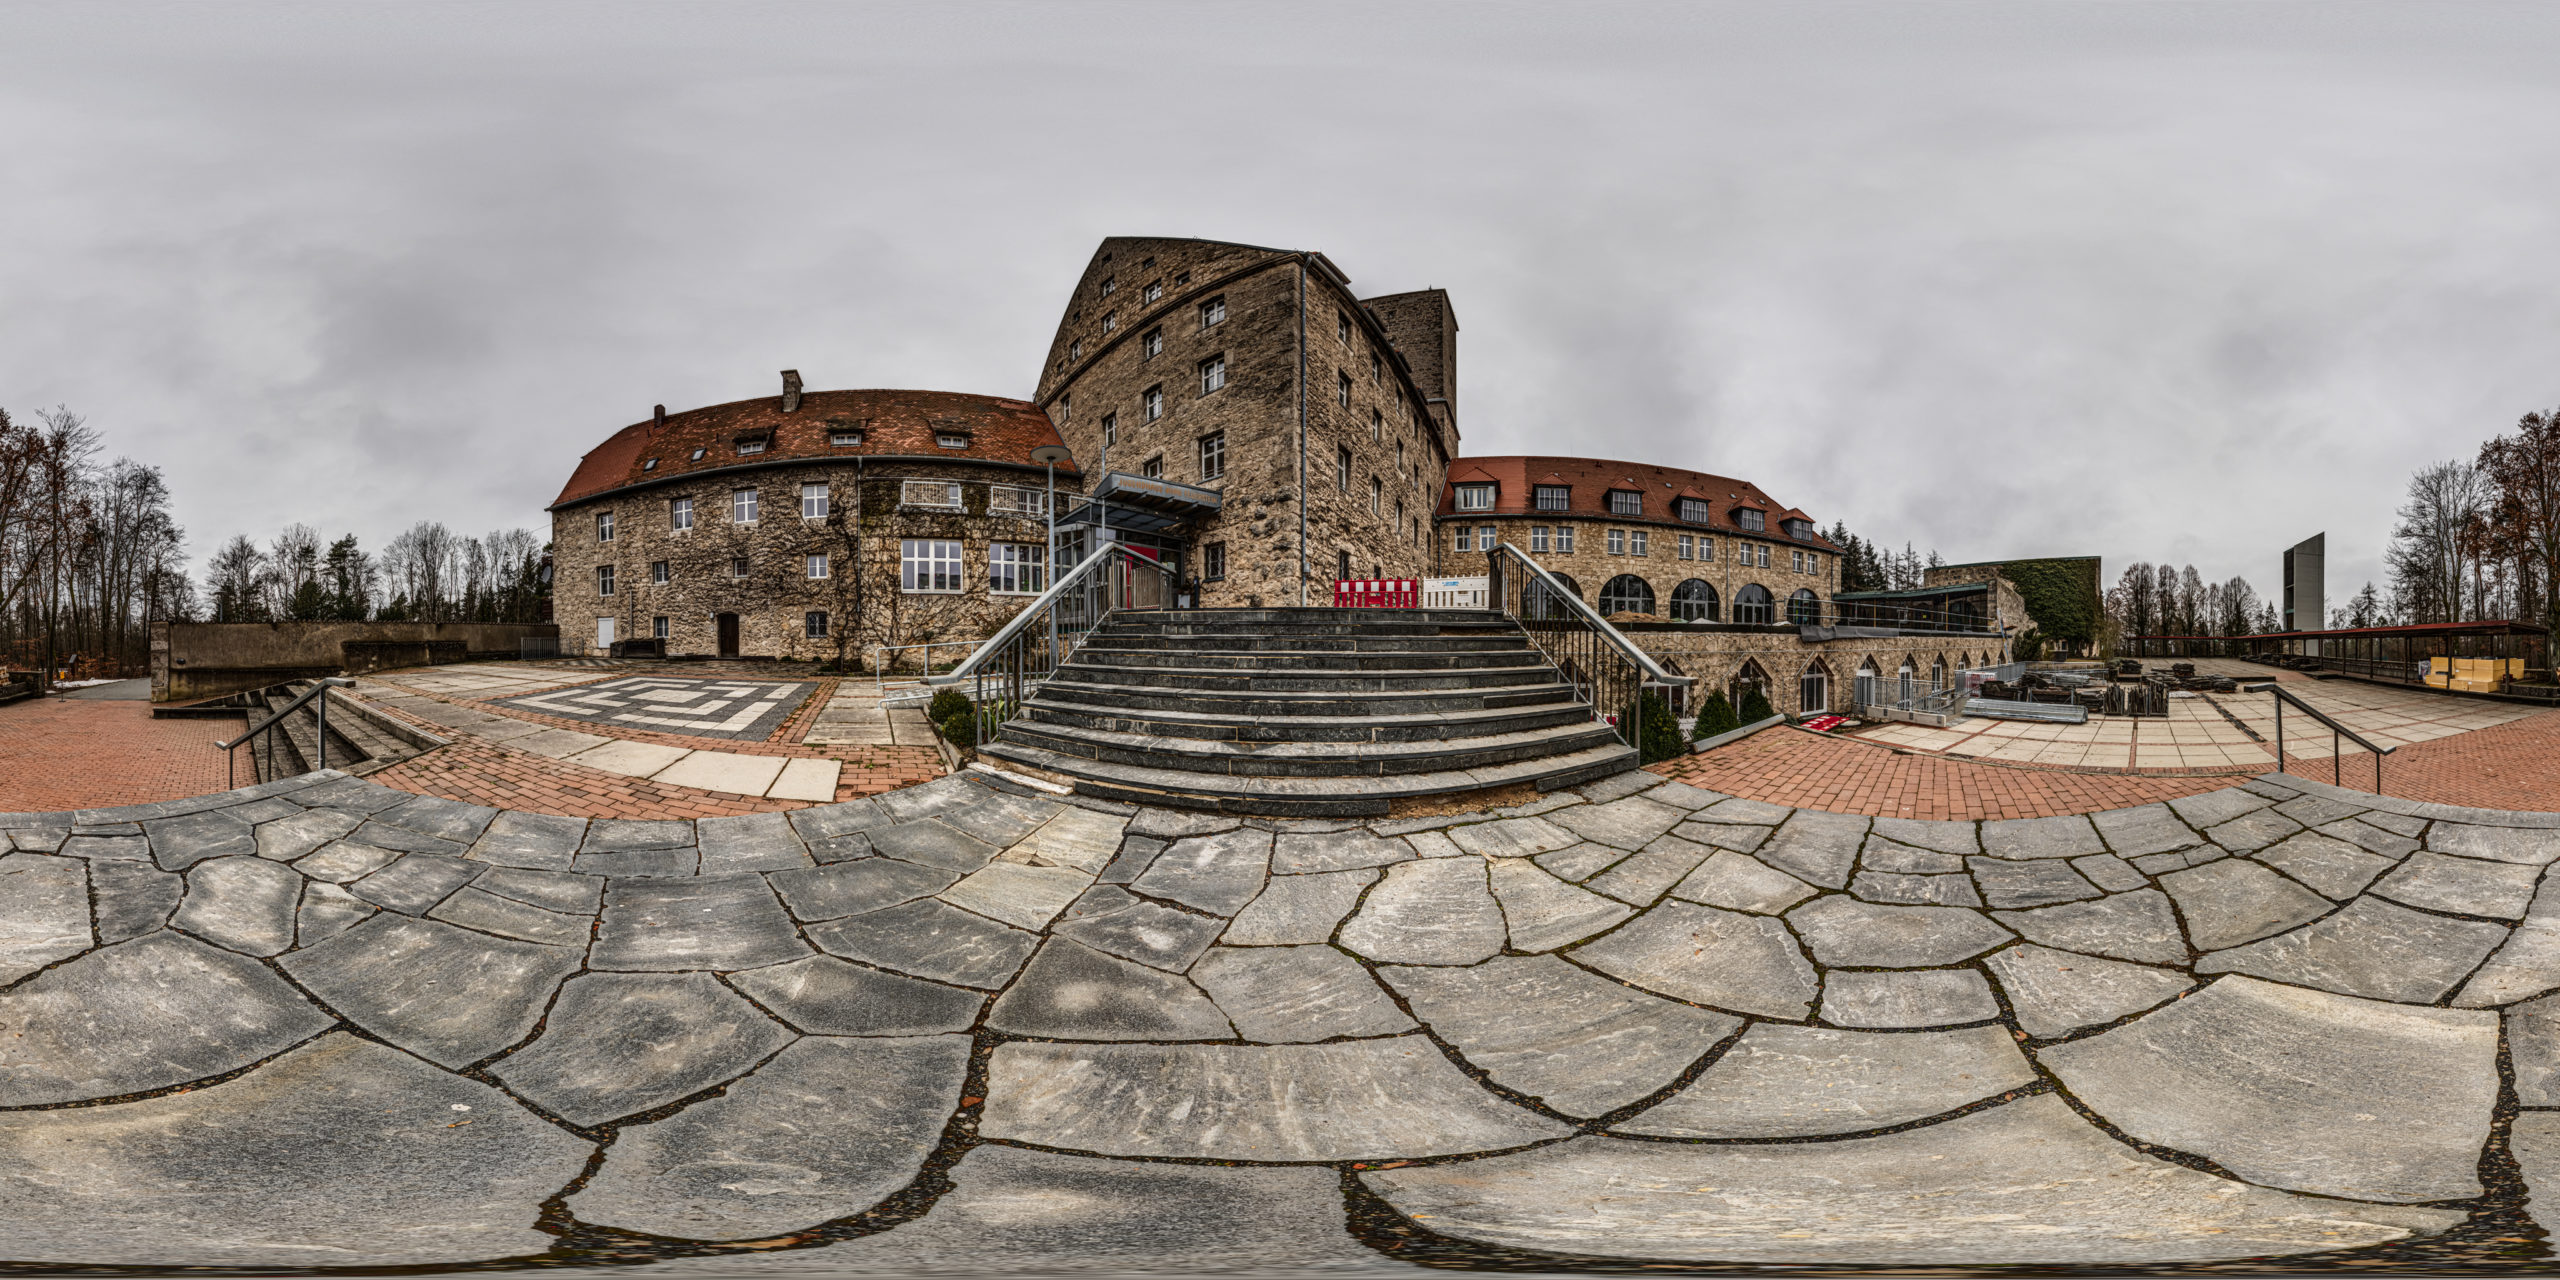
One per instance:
(1307, 712)
(361, 741)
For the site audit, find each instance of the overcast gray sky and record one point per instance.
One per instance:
(2151, 281)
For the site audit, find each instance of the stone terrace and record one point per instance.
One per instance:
(1635, 1020)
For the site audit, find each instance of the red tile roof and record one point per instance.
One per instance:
(1591, 479)
(893, 424)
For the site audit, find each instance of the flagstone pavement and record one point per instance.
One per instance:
(971, 1025)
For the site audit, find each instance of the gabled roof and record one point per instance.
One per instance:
(893, 424)
(1591, 479)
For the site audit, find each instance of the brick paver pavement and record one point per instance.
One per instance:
(82, 754)
(1809, 770)
(2509, 766)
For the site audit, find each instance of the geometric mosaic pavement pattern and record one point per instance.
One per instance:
(746, 710)
(1634, 1020)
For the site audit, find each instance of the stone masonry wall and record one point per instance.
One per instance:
(1720, 658)
(1590, 565)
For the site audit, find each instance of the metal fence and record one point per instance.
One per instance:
(1607, 671)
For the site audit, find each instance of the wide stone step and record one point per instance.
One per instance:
(1282, 657)
(1066, 687)
(1228, 727)
(1118, 625)
(1364, 618)
(1312, 759)
(1231, 680)
(1305, 797)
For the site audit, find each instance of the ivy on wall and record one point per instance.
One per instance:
(2061, 595)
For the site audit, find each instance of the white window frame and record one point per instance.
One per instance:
(1213, 456)
(931, 495)
(816, 565)
(1213, 561)
(1486, 537)
(813, 501)
(659, 573)
(604, 526)
(1213, 374)
(1017, 568)
(1014, 500)
(750, 448)
(1564, 539)
(1151, 404)
(1110, 429)
(1537, 539)
(743, 506)
(1151, 343)
(1637, 541)
(1617, 542)
(1475, 497)
(1342, 468)
(658, 627)
(1688, 546)
(604, 581)
(680, 515)
(1213, 312)
(936, 562)
(1466, 540)
(1562, 497)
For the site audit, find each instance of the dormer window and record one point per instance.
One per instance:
(951, 440)
(1475, 497)
(1799, 528)
(1554, 497)
(1693, 510)
(751, 446)
(1755, 521)
(1625, 502)
(844, 437)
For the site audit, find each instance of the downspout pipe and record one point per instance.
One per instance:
(1302, 430)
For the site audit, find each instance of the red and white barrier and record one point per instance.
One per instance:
(1377, 593)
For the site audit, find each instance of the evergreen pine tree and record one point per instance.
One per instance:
(1715, 715)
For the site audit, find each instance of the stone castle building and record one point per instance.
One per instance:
(1300, 433)
(809, 525)
(1242, 415)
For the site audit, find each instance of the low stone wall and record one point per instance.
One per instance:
(191, 660)
(1720, 656)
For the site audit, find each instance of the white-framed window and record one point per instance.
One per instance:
(1342, 327)
(658, 627)
(816, 564)
(1066, 409)
(937, 495)
(1486, 539)
(1755, 521)
(1109, 283)
(1475, 497)
(1617, 542)
(813, 502)
(1706, 548)
(1213, 455)
(1564, 539)
(658, 574)
(1636, 542)
(1213, 312)
(814, 625)
(1537, 539)
(604, 579)
(1552, 497)
(1075, 349)
(1151, 343)
(1377, 492)
(742, 506)
(604, 526)
(1342, 390)
(1110, 429)
(1213, 374)
(1813, 690)
(1342, 468)
(1213, 561)
(1012, 500)
(1625, 502)
(1693, 510)
(1795, 560)
(749, 448)
(738, 567)
(1763, 561)
(928, 565)
(951, 440)
(1151, 404)
(680, 514)
(1152, 468)
(1153, 292)
(843, 438)
(1466, 539)
(1110, 321)
(1378, 432)
(1688, 546)
(1017, 568)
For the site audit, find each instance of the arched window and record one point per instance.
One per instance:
(1902, 679)
(1752, 604)
(1866, 686)
(1749, 678)
(1626, 593)
(1676, 695)
(1694, 601)
(1540, 606)
(1804, 609)
(1813, 688)
(1938, 673)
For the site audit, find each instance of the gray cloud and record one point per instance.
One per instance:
(2150, 281)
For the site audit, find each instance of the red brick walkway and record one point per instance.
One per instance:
(79, 753)
(2509, 766)
(1814, 771)
(485, 773)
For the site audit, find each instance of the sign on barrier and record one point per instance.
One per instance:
(1377, 593)
(1453, 593)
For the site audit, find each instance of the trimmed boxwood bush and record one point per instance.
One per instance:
(1715, 715)
(1659, 735)
(1755, 706)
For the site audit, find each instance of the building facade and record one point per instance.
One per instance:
(808, 526)
(1258, 376)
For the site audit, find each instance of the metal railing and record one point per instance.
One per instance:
(2337, 760)
(908, 690)
(319, 688)
(1011, 665)
(1607, 670)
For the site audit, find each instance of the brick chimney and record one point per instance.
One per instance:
(658, 422)
(790, 391)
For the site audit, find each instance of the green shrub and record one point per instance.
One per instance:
(1659, 737)
(946, 704)
(2030, 647)
(1715, 715)
(1755, 706)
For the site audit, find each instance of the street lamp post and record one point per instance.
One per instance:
(1050, 455)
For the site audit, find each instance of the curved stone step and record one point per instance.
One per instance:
(1304, 797)
(1313, 759)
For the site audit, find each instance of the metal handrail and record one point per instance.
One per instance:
(319, 687)
(1654, 674)
(2337, 759)
(1073, 579)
